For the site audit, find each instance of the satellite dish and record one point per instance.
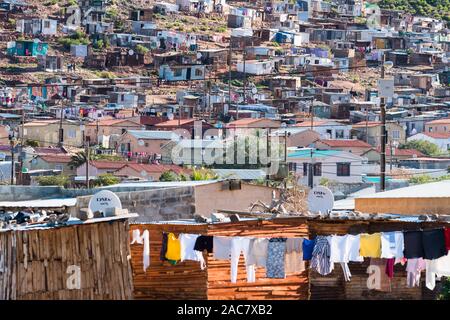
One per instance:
(395, 96)
(104, 200)
(141, 143)
(143, 173)
(36, 40)
(170, 116)
(131, 52)
(199, 55)
(320, 199)
(254, 90)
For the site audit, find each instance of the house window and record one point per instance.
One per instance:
(305, 169)
(395, 134)
(430, 129)
(58, 167)
(146, 144)
(46, 24)
(292, 166)
(317, 169)
(339, 134)
(343, 169)
(198, 72)
(177, 73)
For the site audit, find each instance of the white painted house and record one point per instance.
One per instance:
(328, 129)
(334, 165)
(441, 139)
(256, 67)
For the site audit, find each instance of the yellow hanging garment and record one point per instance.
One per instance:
(370, 245)
(173, 248)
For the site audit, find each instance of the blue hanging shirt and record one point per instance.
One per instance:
(308, 246)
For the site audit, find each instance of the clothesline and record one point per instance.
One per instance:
(419, 249)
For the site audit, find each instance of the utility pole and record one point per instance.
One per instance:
(21, 147)
(245, 75)
(311, 171)
(383, 134)
(390, 161)
(86, 153)
(311, 109)
(367, 124)
(229, 78)
(11, 141)
(61, 133)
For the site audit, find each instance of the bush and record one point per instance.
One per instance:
(75, 39)
(421, 179)
(141, 49)
(99, 44)
(106, 179)
(169, 176)
(61, 180)
(203, 174)
(32, 143)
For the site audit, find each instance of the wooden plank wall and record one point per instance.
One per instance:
(293, 287)
(184, 281)
(187, 281)
(333, 286)
(100, 250)
(7, 266)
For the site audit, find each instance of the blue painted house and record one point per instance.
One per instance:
(30, 48)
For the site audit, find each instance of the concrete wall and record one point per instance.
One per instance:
(211, 197)
(22, 193)
(408, 206)
(153, 205)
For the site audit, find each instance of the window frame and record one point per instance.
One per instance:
(340, 169)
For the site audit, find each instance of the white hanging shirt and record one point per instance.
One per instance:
(392, 245)
(439, 267)
(145, 240)
(222, 248)
(345, 248)
(187, 243)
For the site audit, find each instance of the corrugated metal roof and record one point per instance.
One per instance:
(153, 134)
(439, 189)
(71, 222)
(243, 174)
(40, 203)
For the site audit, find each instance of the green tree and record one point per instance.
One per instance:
(78, 159)
(428, 148)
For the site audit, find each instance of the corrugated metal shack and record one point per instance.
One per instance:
(187, 281)
(41, 262)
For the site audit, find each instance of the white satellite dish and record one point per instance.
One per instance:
(395, 96)
(143, 173)
(131, 52)
(36, 40)
(170, 116)
(141, 143)
(320, 199)
(254, 90)
(199, 55)
(104, 200)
